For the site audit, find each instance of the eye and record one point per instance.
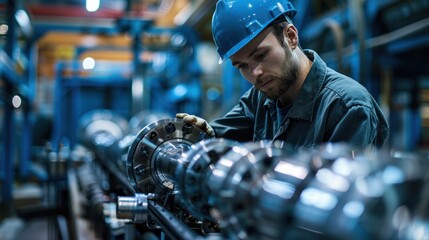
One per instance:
(242, 66)
(260, 56)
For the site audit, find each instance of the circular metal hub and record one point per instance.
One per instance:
(156, 145)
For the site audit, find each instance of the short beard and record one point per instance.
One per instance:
(288, 76)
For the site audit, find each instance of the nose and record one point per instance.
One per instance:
(257, 70)
(252, 72)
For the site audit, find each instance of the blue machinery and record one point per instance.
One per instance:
(72, 93)
(21, 85)
(169, 85)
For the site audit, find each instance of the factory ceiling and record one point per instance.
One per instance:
(164, 13)
(62, 26)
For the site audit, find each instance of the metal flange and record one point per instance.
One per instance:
(155, 153)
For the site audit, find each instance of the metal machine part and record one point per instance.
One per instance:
(106, 134)
(173, 228)
(192, 176)
(144, 118)
(155, 154)
(332, 192)
(110, 136)
(261, 190)
(265, 190)
(237, 178)
(134, 208)
(298, 195)
(101, 127)
(164, 163)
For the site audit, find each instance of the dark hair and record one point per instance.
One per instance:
(277, 29)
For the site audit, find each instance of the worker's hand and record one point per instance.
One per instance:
(198, 122)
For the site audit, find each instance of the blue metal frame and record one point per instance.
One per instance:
(234, 85)
(27, 134)
(8, 154)
(8, 137)
(23, 85)
(135, 27)
(70, 89)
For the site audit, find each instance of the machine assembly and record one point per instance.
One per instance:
(186, 185)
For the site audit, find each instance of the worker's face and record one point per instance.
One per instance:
(267, 64)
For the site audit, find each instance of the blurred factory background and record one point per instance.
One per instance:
(63, 59)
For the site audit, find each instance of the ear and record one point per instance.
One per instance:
(291, 35)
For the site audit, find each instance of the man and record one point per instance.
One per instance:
(295, 97)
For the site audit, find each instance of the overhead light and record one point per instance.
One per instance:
(92, 5)
(3, 29)
(88, 63)
(16, 101)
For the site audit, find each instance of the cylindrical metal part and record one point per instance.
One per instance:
(191, 178)
(235, 182)
(167, 160)
(105, 133)
(101, 127)
(133, 208)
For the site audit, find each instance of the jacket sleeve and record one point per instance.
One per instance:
(361, 127)
(238, 123)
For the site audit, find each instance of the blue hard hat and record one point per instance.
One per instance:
(236, 22)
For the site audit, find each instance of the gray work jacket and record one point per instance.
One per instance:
(330, 107)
